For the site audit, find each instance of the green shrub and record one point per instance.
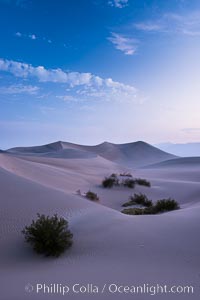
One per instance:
(111, 181)
(92, 196)
(141, 181)
(48, 235)
(130, 183)
(139, 199)
(142, 200)
(132, 211)
(164, 205)
(149, 210)
(161, 206)
(139, 211)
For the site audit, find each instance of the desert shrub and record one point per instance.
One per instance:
(130, 183)
(128, 203)
(149, 210)
(141, 181)
(111, 181)
(166, 205)
(142, 200)
(48, 235)
(133, 211)
(114, 175)
(139, 199)
(92, 196)
(161, 206)
(139, 211)
(126, 174)
(108, 182)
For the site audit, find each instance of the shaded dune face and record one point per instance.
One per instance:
(56, 150)
(37, 149)
(137, 154)
(69, 153)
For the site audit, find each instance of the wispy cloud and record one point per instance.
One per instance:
(67, 98)
(85, 84)
(19, 34)
(110, 91)
(19, 89)
(118, 3)
(29, 36)
(149, 26)
(32, 37)
(125, 44)
(187, 24)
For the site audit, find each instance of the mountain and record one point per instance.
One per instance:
(188, 149)
(136, 154)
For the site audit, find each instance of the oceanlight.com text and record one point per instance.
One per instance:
(111, 288)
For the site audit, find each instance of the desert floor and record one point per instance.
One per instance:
(109, 247)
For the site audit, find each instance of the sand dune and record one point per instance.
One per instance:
(57, 150)
(184, 162)
(135, 154)
(66, 175)
(38, 149)
(109, 247)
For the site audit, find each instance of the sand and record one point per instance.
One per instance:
(109, 247)
(133, 155)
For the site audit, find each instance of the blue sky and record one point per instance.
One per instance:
(95, 70)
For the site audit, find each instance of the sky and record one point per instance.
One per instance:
(88, 71)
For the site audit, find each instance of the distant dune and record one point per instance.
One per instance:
(136, 154)
(185, 162)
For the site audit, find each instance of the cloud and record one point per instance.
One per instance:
(87, 85)
(127, 45)
(118, 3)
(187, 24)
(19, 89)
(148, 26)
(18, 34)
(32, 36)
(29, 36)
(67, 98)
